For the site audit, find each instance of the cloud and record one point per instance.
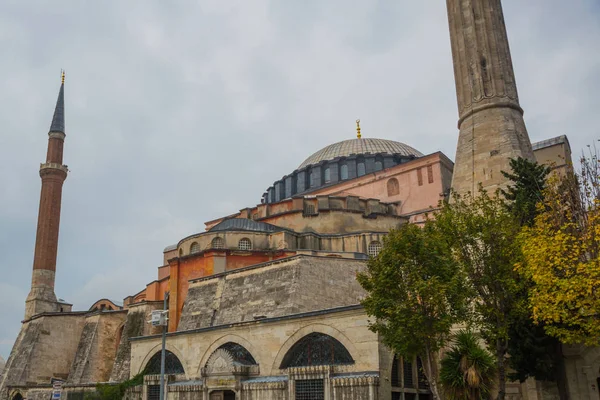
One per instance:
(181, 113)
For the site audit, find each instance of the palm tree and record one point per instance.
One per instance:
(468, 370)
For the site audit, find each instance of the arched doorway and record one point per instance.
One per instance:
(226, 367)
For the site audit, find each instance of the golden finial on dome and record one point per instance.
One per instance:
(62, 76)
(358, 135)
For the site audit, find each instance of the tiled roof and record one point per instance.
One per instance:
(360, 146)
(244, 224)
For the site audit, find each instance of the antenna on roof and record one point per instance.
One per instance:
(358, 135)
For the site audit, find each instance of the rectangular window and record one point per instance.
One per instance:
(310, 389)
(153, 392)
(430, 174)
(420, 176)
(309, 209)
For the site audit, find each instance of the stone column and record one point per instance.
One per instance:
(492, 129)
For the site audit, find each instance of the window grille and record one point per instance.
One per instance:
(408, 374)
(344, 172)
(172, 364)
(239, 353)
(396, 396)
(317, 349)
(374, 249)
(395, 373)
(153, 392)
(310, 389)
(217, 243)
(245, 244)
(378, 165)
(194, 248)
(309, 209)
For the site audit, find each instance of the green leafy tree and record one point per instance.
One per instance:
(533, 353)
(468, 370)
(483, 235)
(416, 292)
(528, 180)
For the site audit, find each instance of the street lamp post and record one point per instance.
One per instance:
(164, 322)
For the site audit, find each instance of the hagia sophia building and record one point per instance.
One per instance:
(264, 303)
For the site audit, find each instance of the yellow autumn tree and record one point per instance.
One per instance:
(561, 256)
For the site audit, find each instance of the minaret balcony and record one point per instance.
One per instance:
(50, 166)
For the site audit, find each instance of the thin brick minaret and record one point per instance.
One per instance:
(491, 123)
(53, 173)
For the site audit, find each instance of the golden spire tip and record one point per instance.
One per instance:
(62, 76)
(358, 135)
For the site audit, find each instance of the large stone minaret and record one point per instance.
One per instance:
(491, 123)
(53, 173)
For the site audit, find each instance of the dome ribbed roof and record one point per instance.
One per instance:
(360, 146)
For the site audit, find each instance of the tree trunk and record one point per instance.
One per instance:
(430, 369)
(500, 352)
(561, 378)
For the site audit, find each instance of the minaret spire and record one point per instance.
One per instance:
(492, 129)
(58, 121)
(41, 298)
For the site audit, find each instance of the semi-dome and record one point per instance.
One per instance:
(360, 146)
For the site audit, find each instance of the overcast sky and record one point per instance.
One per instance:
(181, 112)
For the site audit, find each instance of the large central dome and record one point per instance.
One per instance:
(357, 147)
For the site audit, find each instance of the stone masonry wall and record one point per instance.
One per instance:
(135, 325)
(44, 349)
(301, 284)
(97, 348)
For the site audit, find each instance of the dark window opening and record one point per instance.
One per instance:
(310, 389)
(239, 353)
(153, 392)
(317, 349)
(172, 364)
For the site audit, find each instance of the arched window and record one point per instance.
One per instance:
(217, 243)
(327, 175)
(344, 171)
(17, 396)
(194, 248)
(374, 248)
(172, 364)
(245, 244)
(360, 168)
(311, 178)
(316, 349)
(378, 163)
(393, 188)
